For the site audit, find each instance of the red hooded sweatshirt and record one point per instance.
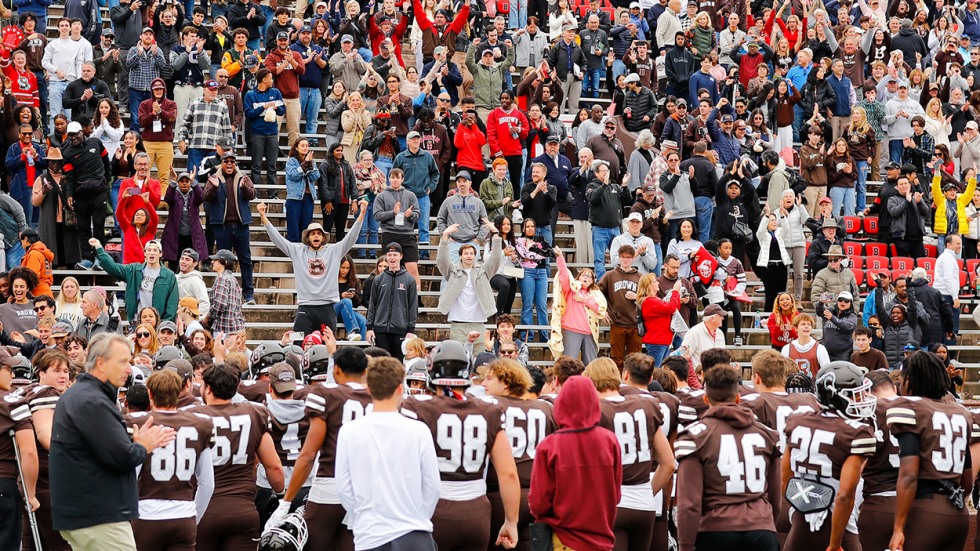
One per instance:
(586, 459)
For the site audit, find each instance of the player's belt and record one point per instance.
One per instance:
(324, 491)
(464, 490)
(637, 497)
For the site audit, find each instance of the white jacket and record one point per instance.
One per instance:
(790, 227)
(765, 241)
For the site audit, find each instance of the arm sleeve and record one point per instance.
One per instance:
(205, 482)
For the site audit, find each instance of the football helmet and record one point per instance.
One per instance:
(137, 376)
(842, 386)
(450, 364)
(413, 378)
(291, 535)
(294, 357)
(165, 354)
(23, 371)
(316, 363)
(798, 382)
(265, 356)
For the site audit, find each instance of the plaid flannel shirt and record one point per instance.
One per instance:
(226, 305)
(144, 68)
(204, 122)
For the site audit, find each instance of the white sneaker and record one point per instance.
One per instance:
(354, 337)
(738, 341)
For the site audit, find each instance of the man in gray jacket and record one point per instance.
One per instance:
(397, 209)
(467, 297)
(465, 210)
(315, 267)
(393, 308)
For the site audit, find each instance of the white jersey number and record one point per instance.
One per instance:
(465, 440)
(236, 424)
(525, 430)
(176, 458)
(741, 465)
(805, 457)
(631, 431)
(951, 455)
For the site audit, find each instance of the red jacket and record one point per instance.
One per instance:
(150, 186)
(657, 314)
(469, 142)
(133, 240)
(578, 471)
(776, 335)
(499, 137)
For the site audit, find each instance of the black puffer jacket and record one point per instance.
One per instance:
(939, 312)
(328, 186)
(817, 92)
(641, 104)
(897, 336)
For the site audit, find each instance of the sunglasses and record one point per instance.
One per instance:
(40, 308)
(443, 99)
(142, 335)
(26, 133)
(508, 352)
(847, 300)
(228, 161)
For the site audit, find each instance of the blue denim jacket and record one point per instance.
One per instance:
(298, 181)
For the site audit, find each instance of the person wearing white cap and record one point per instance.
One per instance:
(898, 118)
(347, 65)
(646, 254)
(839, 322)
(568, 60)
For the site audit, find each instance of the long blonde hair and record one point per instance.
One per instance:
(644, 288)
(62, 299)
(938, 112)
(862, 126)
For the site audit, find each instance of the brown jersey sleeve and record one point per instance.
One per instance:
(881, 472)
(819, 443)
(944, 432)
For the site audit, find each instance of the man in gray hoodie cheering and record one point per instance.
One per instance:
(315, 267)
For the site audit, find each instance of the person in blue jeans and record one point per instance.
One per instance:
(533, 254)
(350, 298)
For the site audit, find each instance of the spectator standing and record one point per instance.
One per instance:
(947, 276)
(227, 195)
(467, 213)
(315, 60)
(507, 128)
(346, 65)
(87, 171)
(82, 96)
(467, 300)
(148, 283)
(301, 188)
(791, 218)
(138, 221)
(705, 335)
(898, 118)
(488, 76)
(607, 199)
(834, 279)
(908, 214)
(337, 188)
(191, 65)
(316, 266)
(533, 253)
(577, 310)
(225, 315)
(658, 314)
(235, 59)
(813, 167)
(48, 197)
(38, 258)
(935, 309)
(619, 286)
(398, 485)
(497, 191)
(24, 162)
(92, 452)
(569, 62)
(263, 107)
(205, 121)
(157, 116)
(821, 245)
(33, 45)
(704, 184)
(607, 147)
(145, 62)
(864, 355)
(63, 58)
(233, 98)
(248, 15)
(287, 66)
(421, 178)
(951, 207)
(183, 231)
(190, 282)
(393, 305)
(838, 326)
(808, 354)
(95, 319)
(397, 211)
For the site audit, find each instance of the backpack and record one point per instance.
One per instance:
(9, 228)
(641, 327)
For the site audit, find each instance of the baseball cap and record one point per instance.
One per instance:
(108, 32)
(649, 188)
(950, 186)
(712, 310)
(393, 247)
(62, 329)
(903, 84)
(727, 118)
(681, 102)
(973, 125)
(224, 142)
(440, 50)
(167, 325)
(74, 127)
(668, 144)
(251, 61)
(225, 255)
(635, 216)
(191, 253)
(824, 200)
(487, 52)
(463, 175)
(632, 77)
(148, 30)
(845, 295)
(306, 29)
(184, 175)
(191, 304)
(213, 84)
(413, 134)
(553, 139)
(158, 84)
(282, 378)
(229, 155)
(895, 166)
(282, 36)
(634, 5)
(346, 38)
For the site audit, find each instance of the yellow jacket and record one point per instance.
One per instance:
(939, 199)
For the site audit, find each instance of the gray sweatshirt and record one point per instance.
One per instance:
(316, 271)
(384, 209)
(468, 212)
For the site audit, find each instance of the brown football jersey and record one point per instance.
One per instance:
(168, 472)
(881, 472)
(772, 409)
(818, 444)
(667, 402)
(288, 435)
(635, 421)
(336, 405)
(238, 431)
(736, 458)
(692, 405)
(462, 430)
(254, 391)
(944, 432)
(14, 415)
(37, 397)
(527, 423)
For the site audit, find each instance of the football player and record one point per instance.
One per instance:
(328, 407)
(825, 454)
(41, 398)
(636, 422)
(935, 468)
(729, 470)
(241, 435)
(255, 387)
(526, 422)
(290, 426)
(15, 417)
(881, 473)
(772, 405)
(466, 431)
(176, 481)
(692, 404)
(187, 396)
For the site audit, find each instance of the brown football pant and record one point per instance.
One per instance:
(230, 524)
(661, 529)
(876, 522)
(327, 529)
(462, 525)
(800, 537)
(524, 521)
(633, 529)
(935, 524)
(165, 535)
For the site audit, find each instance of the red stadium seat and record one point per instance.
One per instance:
(876, 263)
(931, 250)
(858, 276)
(903, 263)
(853, 248)
(971, 265)
(963, 279)
(852, 225)
(896, 274)
(931, 276)
(870, 225)
(875, 249)
(855, 262)
(926, 263)
(870, 280)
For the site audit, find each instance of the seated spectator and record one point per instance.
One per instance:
(145, 340)
(37, 257)
(504, 335)
(350, 298)
(833, 279)
(864, 354)
(900, 324)
(18, 313)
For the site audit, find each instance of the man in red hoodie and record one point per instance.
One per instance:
(587, 459)
(287, 66)
(507, 128)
